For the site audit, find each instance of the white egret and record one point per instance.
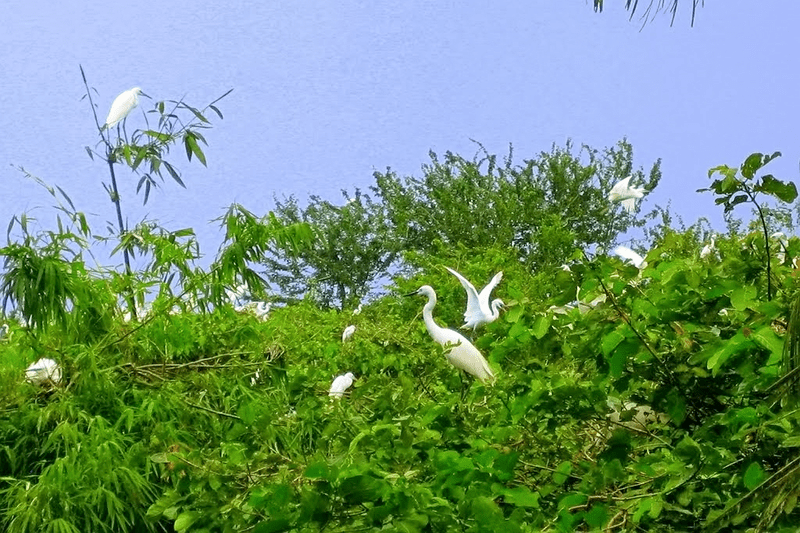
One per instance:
(624, 193)
(122, 106)
(347, 334)
(357, 310)
(479, 311)
(629, 255)
(262, 310)
(784, 244)
(341, 384)
(708, 249)
(42, 371)
(458, 350)
(3, 331)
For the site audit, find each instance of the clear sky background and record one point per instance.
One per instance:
(325, 93)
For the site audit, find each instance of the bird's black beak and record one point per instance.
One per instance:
(411, 293)
(146, 95)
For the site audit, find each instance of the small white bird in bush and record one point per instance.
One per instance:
(347, 334)
(357, 310)
(624, 193)
(341, 384)
(42, 371)
(122, 106)
(262, 310)
(458, 350)
(3, 331)
(479, 311)
(708, 249)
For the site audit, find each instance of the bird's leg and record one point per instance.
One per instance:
(464, 386)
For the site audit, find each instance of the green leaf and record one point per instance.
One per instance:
(786, 192)
(752, 164)
(540, 326)
(317, 471)
(522, 497)
(514, 314)
(158, 135)
(193, 148)
(185, 520)
(611, 341)
(744, 297)
(754, 475)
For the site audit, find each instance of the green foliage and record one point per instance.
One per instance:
(354, 246)
(542, 209)
(735, 189)
(625, 399)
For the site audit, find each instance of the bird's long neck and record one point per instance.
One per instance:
(427, 315)
(495, 310)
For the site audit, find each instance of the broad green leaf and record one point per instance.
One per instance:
(752, 164)
(611, 341)
(513, 314)
(522, 497)
(754, 475)
(317, 471)
(185, 520)
(562, 473)
(786, 192)
(596, 516)
(743, 297)
(540, 326)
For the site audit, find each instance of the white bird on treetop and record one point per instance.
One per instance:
(42, 371)
(629, 255)
(3, 330)
(457, 349)
(348, 333)
(623, 192)
(341, 384)
(122, 106)
(357, 310)
(479, 311)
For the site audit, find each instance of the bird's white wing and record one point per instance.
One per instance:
(629, 204)
(630, 255)
(618, 189)
(487, 290)
(473, 301)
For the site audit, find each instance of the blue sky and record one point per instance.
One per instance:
(326, 93)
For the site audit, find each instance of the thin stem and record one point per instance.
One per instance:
(115, 191)
(766, 239)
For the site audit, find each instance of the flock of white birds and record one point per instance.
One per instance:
(459, 351)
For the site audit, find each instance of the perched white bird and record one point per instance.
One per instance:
(357, 310)
(341, 384)
(783, 245)
(348, 332)
(479, 311)
(3, 331)
(623, 192)
(708, 249)
(262, 310)
(629, 255)
(458, 350)
(122, 106)
(42, 371)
